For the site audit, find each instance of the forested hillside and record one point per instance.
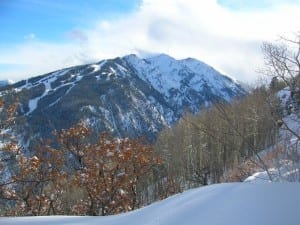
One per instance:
(229, 142)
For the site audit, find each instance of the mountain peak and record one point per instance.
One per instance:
(161, 56)
(128, 96)
(130, 56)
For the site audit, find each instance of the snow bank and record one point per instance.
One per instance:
(221, 204)
(284, 173)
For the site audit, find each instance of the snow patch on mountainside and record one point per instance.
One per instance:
(165, 74)
(161, 71)
(33, 103)
(46, 82)
(98, 66)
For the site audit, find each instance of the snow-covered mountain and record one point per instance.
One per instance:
(128, 96)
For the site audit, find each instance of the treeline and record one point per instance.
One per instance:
(205, 148)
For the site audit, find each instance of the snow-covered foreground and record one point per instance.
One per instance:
(230, 204)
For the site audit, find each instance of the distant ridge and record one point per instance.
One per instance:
(128, 96)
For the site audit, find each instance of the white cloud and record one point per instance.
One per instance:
(226, 39)
(30, 36)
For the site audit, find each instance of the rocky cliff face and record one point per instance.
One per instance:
(128, 96)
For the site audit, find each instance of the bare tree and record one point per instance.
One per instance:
(282, 63)
(282, 60)
(9, 147)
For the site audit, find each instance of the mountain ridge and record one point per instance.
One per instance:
(128, 96)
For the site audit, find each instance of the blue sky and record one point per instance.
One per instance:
(50, 20)
(248, 5)
(38, 36)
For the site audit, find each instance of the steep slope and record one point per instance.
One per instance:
(128, 96)
(283, 157)
(221, 204)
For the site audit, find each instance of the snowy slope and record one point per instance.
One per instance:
(165, 74)
(222, 204)
(285, 163)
